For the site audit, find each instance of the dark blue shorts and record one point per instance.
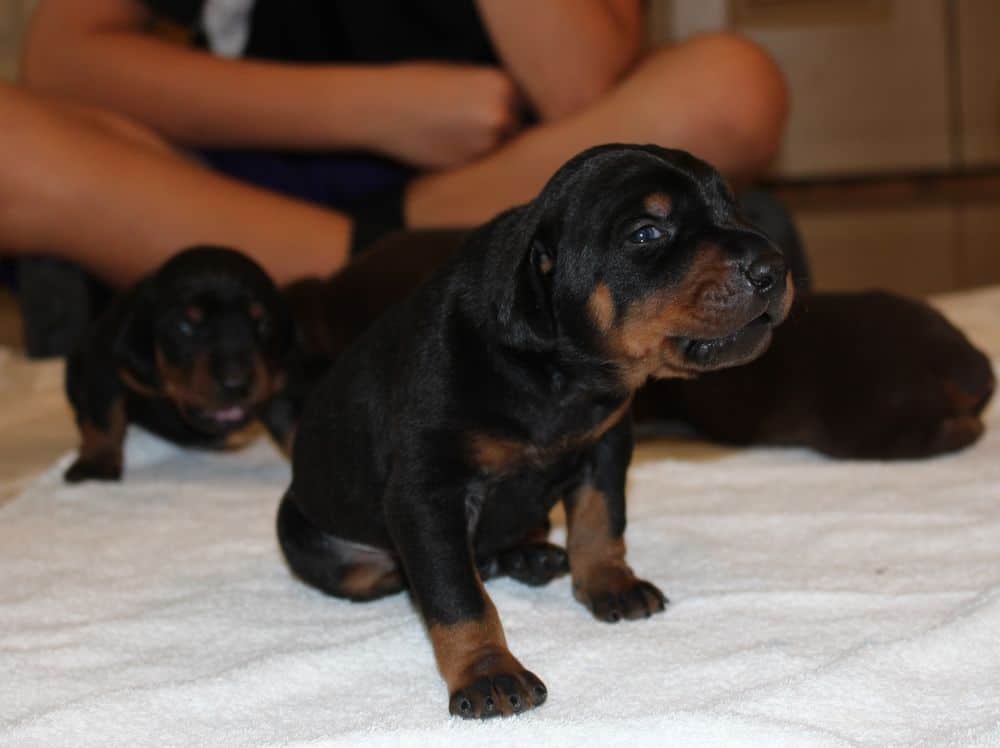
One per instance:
(334, 180)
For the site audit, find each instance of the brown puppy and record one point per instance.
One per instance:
(860, 376)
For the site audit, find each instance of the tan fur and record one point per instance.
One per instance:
(641, 341)
(465, 651)
(373, 572)
(596, 556)
(197, 386)
(601, 307)
(135, 385)
(496, 455)
(659, 204)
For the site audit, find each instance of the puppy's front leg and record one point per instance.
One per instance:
(97, 397)
(595, 514)
(431, 534)
(280, 416)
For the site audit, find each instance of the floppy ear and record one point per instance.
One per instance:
(133, 344)
(286, 329)
(532, 320)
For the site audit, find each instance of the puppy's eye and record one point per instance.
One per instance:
(190, 320)
(260, 316)
(645, 234)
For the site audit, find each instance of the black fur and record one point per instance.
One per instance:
(208, 333)
(502, 345)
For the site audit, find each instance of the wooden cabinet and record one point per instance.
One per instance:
(978, 64)
(914, 249)
(873, 82)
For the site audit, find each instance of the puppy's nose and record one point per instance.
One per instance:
(235, 381)
(767, 273)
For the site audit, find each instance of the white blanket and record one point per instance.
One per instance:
(813, 603)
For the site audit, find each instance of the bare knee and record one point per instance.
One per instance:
(728, 92)
(751, 106)
(26, 115)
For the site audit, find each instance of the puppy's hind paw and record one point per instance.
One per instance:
(534, 564)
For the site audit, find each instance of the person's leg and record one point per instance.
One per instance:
(719, 96)
(99, 191)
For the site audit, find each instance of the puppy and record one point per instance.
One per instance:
(443, 436)
(194, 353)
(860, 376)
(867, 375)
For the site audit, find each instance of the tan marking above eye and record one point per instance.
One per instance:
(256, 310)
(659, 204)
(194, 313)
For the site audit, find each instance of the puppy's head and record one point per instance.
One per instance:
(639, 255)
(210, 331)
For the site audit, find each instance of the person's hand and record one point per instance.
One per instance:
(440, 115)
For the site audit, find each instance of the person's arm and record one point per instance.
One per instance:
(564, 53)
(98, 52)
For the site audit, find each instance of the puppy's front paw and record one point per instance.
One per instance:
(104, 467)
(496, 685)
(614, 593)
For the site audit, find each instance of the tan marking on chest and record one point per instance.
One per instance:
(494, 454)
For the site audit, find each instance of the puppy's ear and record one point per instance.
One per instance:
(134, 341)
(533, 320)
(286, 329)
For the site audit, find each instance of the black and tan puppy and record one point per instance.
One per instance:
(869, 375)
(445, 434)
(194, 353)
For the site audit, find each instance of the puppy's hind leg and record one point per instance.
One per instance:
(534, 561)
(335, 566)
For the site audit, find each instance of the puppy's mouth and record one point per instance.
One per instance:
(219, 420)
(739, 347)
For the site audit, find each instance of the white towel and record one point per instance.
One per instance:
(814, 602)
